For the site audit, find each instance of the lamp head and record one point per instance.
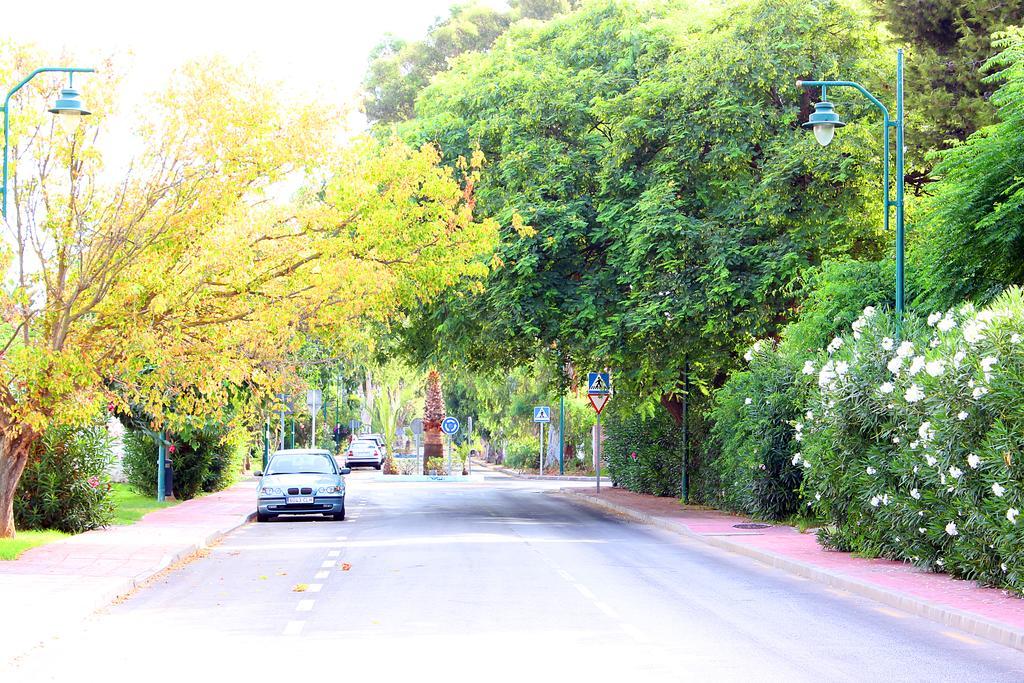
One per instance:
(824, 122)
(69, 108)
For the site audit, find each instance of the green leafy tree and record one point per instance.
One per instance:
(399, 70)
(660, 202)
(950, 40)
(973, 235)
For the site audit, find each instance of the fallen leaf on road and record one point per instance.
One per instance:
(282, 573)
(263, 578)
(345, 566)
(300, 588)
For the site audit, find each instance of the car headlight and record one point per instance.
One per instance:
(329, 489)
(270, 491)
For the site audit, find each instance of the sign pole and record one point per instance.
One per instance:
(312, 430)
(598, 391)
(161, 463)
(561, 434)
(686, 430)
(541, 468)
(266, 441)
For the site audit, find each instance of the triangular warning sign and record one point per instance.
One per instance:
(543, 414)
(599, 401)
(598, 386)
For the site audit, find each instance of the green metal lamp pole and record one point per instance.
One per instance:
(68, 104)
(824, 121)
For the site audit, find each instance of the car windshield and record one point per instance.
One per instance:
(300, 464)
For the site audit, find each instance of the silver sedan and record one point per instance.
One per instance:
(301, 481)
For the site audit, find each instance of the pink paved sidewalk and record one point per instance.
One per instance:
(54, 586)
(988, 612)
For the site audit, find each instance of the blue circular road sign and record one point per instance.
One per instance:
(449, 425)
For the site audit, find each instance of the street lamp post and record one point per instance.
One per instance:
(824, 122)
(69, 104)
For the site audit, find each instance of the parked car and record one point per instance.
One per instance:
(378, 439)
(364, 452)
(301, 481)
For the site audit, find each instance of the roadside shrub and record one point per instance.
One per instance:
(644, 454)
(202, 461)
(438, 464)
(139, 461)
(758, 463)
(835, 294)
(914, 452)
(65, 485)
(520, 456)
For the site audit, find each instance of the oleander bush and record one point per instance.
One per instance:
(914, 449)
(65, 485)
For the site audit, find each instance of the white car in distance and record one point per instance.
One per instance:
(364, 452)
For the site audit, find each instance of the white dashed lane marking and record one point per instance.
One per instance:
(320, 576)
(314, 587)
(305, 606)
(334, 553)
(294, 628)
(586, 592)
(327, 564)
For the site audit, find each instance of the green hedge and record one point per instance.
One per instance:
(644, 454)
(521, 455)
(914, 452)
(758, 464)
(202, 461)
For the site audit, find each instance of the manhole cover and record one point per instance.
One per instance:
(751, 526)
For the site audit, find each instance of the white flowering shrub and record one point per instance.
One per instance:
(916, 450)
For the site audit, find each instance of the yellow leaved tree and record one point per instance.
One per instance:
(179, 279)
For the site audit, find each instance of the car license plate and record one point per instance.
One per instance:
(300, 500)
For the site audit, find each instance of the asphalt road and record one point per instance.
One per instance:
(498, 580)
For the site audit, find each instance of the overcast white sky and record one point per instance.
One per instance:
(319, 46)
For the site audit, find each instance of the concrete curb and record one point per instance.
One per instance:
(546, 477)
(983, 627)
(184, 553)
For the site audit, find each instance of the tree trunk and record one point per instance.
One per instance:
(674, 406)
(433, 446)
(13, 458)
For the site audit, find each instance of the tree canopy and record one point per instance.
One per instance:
(972, 241)
(949, 42)
(182, 280)
(658, 198)
(400, 69)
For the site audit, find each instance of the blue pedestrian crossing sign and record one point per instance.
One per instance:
(450, 425)
(598, 384)
(542, 414)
